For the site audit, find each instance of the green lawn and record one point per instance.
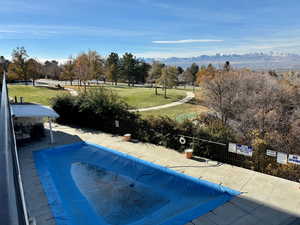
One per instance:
(138, 97)
(180, 112)
(41, 95)
(135, 96)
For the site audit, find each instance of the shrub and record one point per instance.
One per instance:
(99, 108)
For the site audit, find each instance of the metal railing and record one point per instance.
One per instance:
(13, 207)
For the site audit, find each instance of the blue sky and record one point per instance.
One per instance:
(149, 28)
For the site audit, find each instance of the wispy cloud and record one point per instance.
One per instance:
(187, 41)
(29, 31)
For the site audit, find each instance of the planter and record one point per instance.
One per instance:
(189, 153)
(127, 137)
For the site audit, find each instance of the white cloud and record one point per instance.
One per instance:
(30, 31)
(187, 41)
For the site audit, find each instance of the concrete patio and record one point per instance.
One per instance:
(264, 200)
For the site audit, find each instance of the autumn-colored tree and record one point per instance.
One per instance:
(82, 69)
(34, 69)
(68, 70)
(96, 65)
(18, 68)
(205, 73)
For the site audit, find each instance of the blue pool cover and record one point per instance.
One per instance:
(87, 184)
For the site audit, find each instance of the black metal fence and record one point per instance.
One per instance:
(262, 160)
(213, 150)
(13, 208)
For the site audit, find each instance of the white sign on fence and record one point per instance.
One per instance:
(282, 158)
(271, 153)
(295, 159)
(232, 147)
(244, 150)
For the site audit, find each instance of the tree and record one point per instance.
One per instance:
(194, 70)
(180, 70)
(129, 68)
(155, 72)
(206, 74)
(51, 69)
(227, 66)
(82, 69)
(188, 76)
(112, 67)
(96, 65)
(18, 67)
(34, 69)
(221, 94)
(168, 77)
(68, 70)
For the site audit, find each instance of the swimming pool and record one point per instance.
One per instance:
(87, 184)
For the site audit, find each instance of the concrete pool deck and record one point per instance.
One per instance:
(264, 200)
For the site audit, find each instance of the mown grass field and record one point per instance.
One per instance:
(179, 113)
(188, 110)
(41, 95)
(138, 97)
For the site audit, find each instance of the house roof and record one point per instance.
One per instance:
(32, 110)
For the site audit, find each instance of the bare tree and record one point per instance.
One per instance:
(221, 94)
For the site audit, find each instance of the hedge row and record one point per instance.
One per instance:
(99, 108)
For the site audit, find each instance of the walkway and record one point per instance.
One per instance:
(265, 200)
(189, 97)
(72, 91)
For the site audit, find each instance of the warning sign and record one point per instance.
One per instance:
(232, 147)
(295, 159)
(282, 158)
(244, 150)
(271, 153)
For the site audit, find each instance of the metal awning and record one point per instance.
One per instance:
(32, 110)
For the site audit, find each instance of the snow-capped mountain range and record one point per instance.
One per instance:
(255, 61)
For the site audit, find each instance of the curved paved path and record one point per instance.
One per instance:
(189, 96)
(72, 91)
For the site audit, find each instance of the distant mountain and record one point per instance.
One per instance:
(255, 61)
